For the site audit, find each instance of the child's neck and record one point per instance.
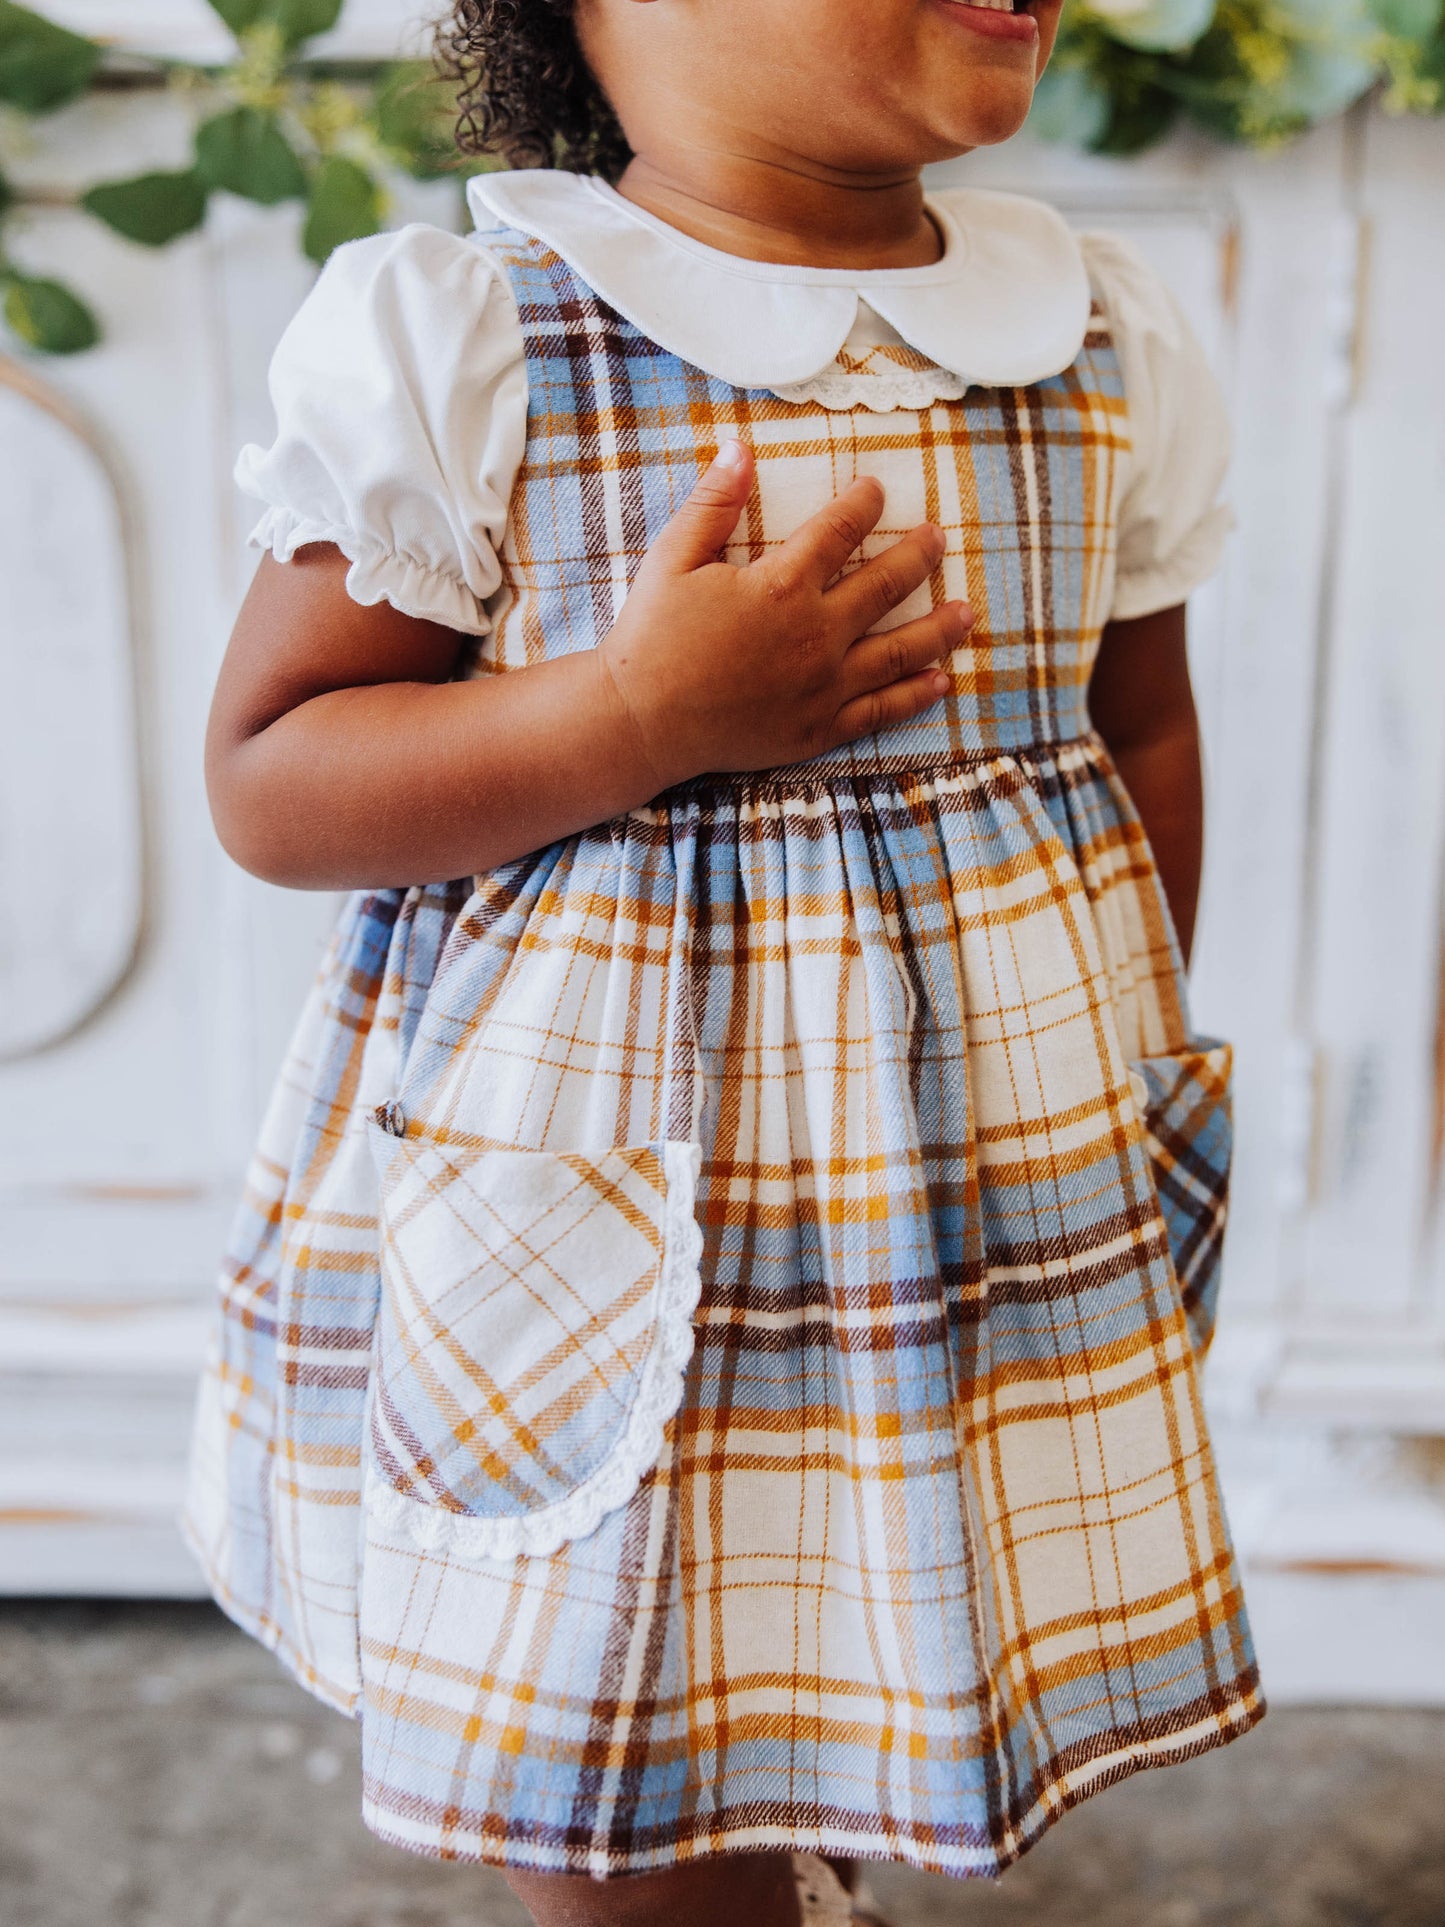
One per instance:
(787, 211)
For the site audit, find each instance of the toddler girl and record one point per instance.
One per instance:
(708, 1366)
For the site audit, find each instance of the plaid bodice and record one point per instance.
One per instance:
(1023, 481)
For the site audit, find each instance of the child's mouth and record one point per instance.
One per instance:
(999, 19)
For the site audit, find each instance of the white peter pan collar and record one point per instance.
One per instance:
(1006, 304)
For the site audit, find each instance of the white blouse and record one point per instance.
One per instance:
(400, 386)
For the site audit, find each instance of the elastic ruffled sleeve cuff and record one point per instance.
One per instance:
(400, 393)
(1139, 592)
(377, 574)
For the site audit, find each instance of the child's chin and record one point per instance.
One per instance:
(994, 113)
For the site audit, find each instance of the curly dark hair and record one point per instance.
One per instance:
(524, 90)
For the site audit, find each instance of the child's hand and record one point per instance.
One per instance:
(345, 752)
(721, 668)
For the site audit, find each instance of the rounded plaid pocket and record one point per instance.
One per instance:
(536, 1323)
(1183, 1099)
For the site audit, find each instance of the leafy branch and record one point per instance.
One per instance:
(268, 128)
(1252, 71)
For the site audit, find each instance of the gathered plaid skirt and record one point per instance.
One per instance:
(709, 1355)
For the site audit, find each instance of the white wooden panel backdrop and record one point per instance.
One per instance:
(1318, 279)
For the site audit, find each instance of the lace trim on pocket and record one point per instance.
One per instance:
(433, 1528)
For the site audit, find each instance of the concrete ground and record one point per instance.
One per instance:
(157, 1769)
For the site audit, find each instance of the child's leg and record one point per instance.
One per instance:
(732, 1890)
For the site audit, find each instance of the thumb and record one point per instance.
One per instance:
(701, 527)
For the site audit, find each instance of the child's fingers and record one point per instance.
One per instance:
(702, 526)
(881, 708)
(874, 662)
(868, 593)
(818, 548)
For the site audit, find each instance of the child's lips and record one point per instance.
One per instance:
(996, 19)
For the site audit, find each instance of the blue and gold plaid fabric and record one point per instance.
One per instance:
(920, 1542)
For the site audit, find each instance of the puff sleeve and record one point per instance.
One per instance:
(1172, 522)
(400, 394)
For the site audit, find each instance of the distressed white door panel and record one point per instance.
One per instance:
(53, 1553)
(1380, 853)
(91, 1465)
(1349, 1639)
(1375, 1380)
(70, 825)
(143, 1241)
(1247, 970)
(132, 1097)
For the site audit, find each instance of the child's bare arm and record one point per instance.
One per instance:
(1143, 707)
(339, 754)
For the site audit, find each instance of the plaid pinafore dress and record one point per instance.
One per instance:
(709, 1356)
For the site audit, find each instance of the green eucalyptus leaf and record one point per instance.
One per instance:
(1432, 68)
(1324, 81)
(297, 20)
(1071, 105)
(1138, 117)
(344, 205)
(1136, 90)
(239, 14)
(1158, 26)
(1324, 57)
(41, 65)
(7, 195)
(1333, 63)
(415, 119)
(245, 151)
(302, 19)
(150, 208)
(1408, 19)
(47, 316)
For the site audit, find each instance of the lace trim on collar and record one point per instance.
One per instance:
(884, 381)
